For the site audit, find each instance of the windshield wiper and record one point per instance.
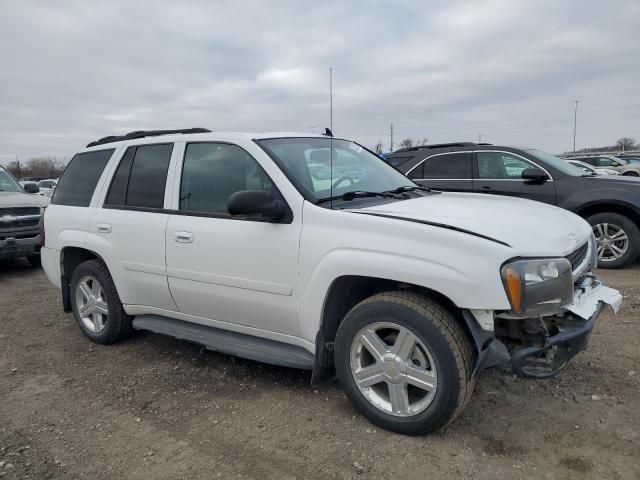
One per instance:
(356, 194)
(410, 188)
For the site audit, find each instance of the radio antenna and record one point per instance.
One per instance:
(329, 132)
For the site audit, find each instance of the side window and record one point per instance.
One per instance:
(212, 172)
(418, 172)
(606, 162)
(80, 178)
(117, 195)
(500, 166)
(589, 160)
(453, 165)
(141, 177)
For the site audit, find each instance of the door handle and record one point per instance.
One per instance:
(183, 237)
(486, 187)
(103, 228)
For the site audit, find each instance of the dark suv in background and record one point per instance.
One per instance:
(610, 204)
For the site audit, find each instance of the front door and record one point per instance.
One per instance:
(238, 271)
(500, 173)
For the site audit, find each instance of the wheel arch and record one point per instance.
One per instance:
(607, 207)
(70, 258)
(347, 291)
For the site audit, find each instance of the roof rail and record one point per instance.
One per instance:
(144, 133)
(439, 145)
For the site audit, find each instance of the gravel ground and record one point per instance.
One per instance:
(156, 408)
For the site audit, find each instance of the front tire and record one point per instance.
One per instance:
(96, 304)
(617, 238)
(404, 362)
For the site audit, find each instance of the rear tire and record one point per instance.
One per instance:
(435, 370)
(618, 239)
(96, 305)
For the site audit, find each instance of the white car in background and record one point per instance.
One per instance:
(592, 169)
(47, 187)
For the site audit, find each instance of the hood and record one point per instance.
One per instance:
(19, 199)
(531, 228)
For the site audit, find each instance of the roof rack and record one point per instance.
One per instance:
(440, 145)
(144, 133)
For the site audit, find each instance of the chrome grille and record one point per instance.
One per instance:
(578, 257)
(19, 218)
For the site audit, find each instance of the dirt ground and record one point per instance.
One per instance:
(156, 408)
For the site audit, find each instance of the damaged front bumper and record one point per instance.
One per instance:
(541, 347)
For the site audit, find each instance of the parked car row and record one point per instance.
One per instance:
(611, 204)
(591, 169)
(629, 166)
(20, 213)
(310, 251)
(45, 187)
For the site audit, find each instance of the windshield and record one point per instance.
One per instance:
(322, 168)
(557, 163)
(8, 183)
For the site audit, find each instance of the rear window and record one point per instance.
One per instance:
(397, 161)
(141, 177)
(453, 166)
(80, 178)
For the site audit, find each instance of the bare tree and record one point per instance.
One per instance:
(378, 148)
(50, 167)
(424, 141)
(406, 143)
(626, 143)
(15, 168)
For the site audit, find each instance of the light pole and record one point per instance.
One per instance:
(575, 123)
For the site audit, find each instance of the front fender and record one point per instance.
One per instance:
(459, 282)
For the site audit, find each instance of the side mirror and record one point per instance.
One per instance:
(31, 188)
(534, 175)
(256, 203)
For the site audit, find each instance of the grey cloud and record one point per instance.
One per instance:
(74, 71)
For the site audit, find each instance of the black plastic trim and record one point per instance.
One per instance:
(226, 341)
(167, 211)
(143, 134)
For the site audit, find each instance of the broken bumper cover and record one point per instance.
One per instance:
(573, 333)
(572, 337)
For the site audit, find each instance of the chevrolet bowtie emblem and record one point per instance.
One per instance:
(8, 218)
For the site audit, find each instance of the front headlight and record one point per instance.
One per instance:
(537, 287)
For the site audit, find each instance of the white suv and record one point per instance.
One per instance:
(311, 252)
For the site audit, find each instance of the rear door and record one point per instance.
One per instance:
(129, 230)
(450, 171)
(500, 173)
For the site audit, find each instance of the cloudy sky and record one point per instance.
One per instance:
(73, 71)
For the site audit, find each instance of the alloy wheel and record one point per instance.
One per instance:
(612, 241)
(91, 304)
(393, 369)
